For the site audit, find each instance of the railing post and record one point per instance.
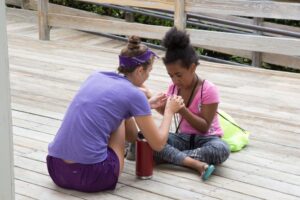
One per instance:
(7, 188)
(25, 4)
(257, 56)
(180, 14)
(44, 29)
(129, 17)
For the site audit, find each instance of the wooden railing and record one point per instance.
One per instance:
(258, 8)
(271, 48)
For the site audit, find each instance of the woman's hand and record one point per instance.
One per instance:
(146, 91)
(174, 104)
(158, 100)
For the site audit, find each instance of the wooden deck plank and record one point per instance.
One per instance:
(129, 179)
(22, 197)
(278, 113)
(64, 75)
(229, 173)
(280, 137)
(52, 130)
(235, 186)
(200, 187)
(37, 192)
(263, 163)
(43, 156)
(41, 180)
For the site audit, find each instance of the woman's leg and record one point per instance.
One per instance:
(211, 150)
(117, 143)
(131, 130)
(131, 134)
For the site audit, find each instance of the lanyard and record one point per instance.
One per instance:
(187, 105)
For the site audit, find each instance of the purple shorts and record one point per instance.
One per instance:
(85, 177)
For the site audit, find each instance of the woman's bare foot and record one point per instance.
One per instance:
(195, 164)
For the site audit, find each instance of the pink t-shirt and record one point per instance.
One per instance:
(210, 96)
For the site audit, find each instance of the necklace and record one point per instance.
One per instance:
(187, 105)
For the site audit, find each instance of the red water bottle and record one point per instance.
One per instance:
(144, 158)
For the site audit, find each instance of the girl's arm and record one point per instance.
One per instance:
(201, 123)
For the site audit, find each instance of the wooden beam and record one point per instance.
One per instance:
(276, 59)
(107, 26)
(25, 4)
(54, 8)
(14, 2)
(44, 29)
(153, 4)
(250, 21)
(180, 14)
(255, 8)
(284, 46)
(7, 191)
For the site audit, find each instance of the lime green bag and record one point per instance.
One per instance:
(236, 137)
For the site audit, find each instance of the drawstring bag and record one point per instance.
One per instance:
(234, 135)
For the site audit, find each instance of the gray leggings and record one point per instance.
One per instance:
(208, 149)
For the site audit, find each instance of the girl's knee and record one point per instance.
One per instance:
(217, 152)
(223, 152)
(172, 139)
(226, 152)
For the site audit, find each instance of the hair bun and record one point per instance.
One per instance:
(133, 42)
(176, 39)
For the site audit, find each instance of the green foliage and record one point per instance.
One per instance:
(90, 7)
(285, 22)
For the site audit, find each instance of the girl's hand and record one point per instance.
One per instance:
(174, 104)
(158, 100)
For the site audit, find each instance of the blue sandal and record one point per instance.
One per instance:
(208, 172)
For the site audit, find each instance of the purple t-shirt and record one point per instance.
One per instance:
(103, 101)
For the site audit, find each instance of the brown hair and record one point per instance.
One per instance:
(133, 48)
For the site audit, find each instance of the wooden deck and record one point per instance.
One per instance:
(46, 75)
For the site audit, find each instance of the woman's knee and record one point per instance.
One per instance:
(117, 143)
(131, 130)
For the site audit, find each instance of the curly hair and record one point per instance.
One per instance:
(179, 48)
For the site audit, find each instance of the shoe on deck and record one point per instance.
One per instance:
(208, 172)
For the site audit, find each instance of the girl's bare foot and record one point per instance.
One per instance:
(195, 164)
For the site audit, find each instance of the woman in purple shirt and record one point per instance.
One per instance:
(87, 153)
